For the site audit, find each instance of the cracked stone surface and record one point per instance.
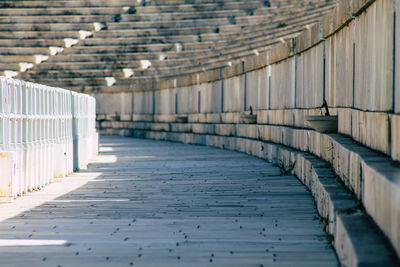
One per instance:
(153, 203)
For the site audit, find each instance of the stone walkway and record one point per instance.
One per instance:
(152, 203)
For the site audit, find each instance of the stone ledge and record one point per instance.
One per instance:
(308, 38)
(371, 128)
(334, 21)
(359, 6)
(354, 247)
(280, 52)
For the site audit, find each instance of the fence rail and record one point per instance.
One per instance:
(45, 132)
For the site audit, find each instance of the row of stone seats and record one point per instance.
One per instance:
(84, 52)
(33, 31)
(137, 42)
(212, 60)
(46, 27)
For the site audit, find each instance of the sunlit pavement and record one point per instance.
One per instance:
(152, 203)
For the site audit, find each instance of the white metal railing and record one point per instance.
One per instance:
(45, 132)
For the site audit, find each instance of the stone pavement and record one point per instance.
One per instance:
(152, 203)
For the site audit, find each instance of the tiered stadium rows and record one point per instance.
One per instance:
(140, 39)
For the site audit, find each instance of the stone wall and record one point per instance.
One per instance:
(351, 59)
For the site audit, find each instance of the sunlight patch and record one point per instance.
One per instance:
(30, 242)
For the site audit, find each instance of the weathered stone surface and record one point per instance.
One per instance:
(308, 38)
(187, 98)
(165, 101)
(114, 103)
(381, 193)
(282, 85)
(395, 133)
(185, 80)
(230, 117)
(397, 59)
(225, 129)
(210, 97)
(279, 52)
(143, 102)
(203, 128)
(263, 89)
(160, 127)
(142, 117)
(126, 117)
(371, 129)
(100, 117)
(357, 244)
(339, 68)
(255, 81)
(359, 5)
(309, 78)
(181, 127)
(344, 121)
(112, 117)
(341, 14)
(374, 58)
(209, 76)
(233, 94)
(164, 118)
(231, 71)
(327, 24)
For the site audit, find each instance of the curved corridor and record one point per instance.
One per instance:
(154, 203)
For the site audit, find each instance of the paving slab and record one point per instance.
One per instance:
(153, 203)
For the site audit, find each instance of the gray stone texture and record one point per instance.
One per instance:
(233, 94)
(339, 68)
(165, 101)
(374, 58)
(210, 97)
(308, 38)
(187, 100)
(282, 84)
(165, 204)
(279, 52)
(263, 89)
(397, 59)
(358, 6)
(395, 132)
(255, 82)
(143, 102)
(309, 78)
(114, 103)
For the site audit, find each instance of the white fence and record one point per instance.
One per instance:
(45, 132)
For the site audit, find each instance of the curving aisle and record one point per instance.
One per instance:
(155, 203)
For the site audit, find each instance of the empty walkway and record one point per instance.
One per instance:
(151, 203)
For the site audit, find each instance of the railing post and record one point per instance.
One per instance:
(2, 115)
(28, 112)
(7, 159)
